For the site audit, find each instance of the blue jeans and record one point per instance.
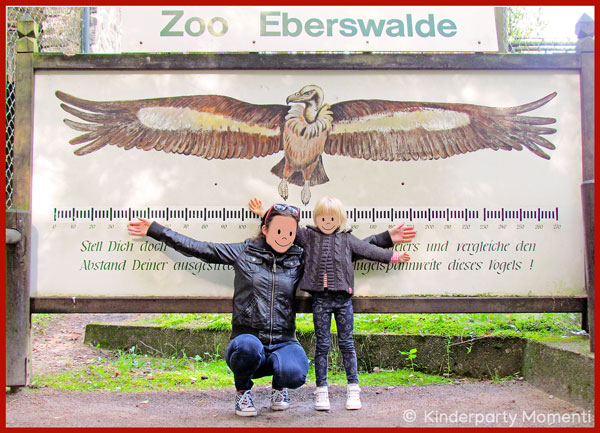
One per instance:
(249, 359)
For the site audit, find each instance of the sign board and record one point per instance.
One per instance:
(308, 28)
(489, 222)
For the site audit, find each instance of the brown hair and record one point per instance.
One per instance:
(272, 213)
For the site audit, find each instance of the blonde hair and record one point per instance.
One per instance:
(331, 205)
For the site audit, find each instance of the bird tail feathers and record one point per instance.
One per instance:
(318, 177)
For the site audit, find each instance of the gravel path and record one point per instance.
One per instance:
(480, 404)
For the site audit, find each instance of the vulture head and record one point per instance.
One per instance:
(312, 98)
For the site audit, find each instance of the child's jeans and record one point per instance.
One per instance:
(340, 305)
(249, 359)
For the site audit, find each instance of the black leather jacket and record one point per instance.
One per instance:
(265, 281)
(264, 285)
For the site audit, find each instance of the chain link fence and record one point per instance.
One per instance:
(60, 31)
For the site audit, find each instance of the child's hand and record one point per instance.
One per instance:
(400, 257)
(402, 234)
(139, 228)
(255, 206)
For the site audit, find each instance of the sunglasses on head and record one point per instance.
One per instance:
(280, 207)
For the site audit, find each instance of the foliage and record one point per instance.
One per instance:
(208, 321)
(128, 371)
(410, 355)
(131, 371)
(524, 22)
(530, 325)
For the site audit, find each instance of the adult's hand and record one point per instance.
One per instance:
(402, 234)
(139, 228)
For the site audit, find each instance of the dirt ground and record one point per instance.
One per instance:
(477, 404)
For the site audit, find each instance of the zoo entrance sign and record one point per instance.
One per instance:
(301, 28)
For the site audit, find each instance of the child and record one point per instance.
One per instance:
(329, 250)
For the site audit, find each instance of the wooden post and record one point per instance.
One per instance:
(18, 256)
(585, 46)
(501, 28)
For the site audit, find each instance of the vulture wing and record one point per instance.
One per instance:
(394, 131)
(209, 126)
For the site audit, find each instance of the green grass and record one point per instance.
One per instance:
(127, 371)
(531, 325)
(130, 371)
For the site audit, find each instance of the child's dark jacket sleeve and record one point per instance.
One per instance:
(383, 240)
(366, 250)
(225, 254)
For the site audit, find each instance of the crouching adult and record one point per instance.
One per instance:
(267, 270)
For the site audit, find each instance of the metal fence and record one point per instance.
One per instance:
(540, 46)
(60, 31)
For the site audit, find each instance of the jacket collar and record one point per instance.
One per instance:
(260, 244)
(316, 229)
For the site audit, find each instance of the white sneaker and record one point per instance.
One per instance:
(244, 406)
(322, 398)
(280, 399)
(353, 397)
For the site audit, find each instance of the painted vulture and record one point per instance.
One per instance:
(220, 127)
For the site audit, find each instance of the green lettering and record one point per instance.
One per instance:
(224, 26)
(188, 26)
(313, 27)
(395, 28)
(409, 28)
(166, 31)
(286, 22)
(429, 22)
(330, 23)
(447, 28)
(264, 23)
(366, 30)
(349, 25)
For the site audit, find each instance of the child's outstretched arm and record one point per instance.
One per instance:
(399, 257)
(387, 239)
(256, 207)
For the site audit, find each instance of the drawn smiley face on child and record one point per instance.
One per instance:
(281, 233)
(328, 222)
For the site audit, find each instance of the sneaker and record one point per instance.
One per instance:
(322, 398)
(353, 397)
(244, 406)
(279, 399)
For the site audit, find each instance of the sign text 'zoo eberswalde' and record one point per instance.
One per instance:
(360, 28)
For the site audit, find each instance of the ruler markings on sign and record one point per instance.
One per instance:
(354, 214)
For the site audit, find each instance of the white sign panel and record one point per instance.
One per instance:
(489, 222)
(303, 28)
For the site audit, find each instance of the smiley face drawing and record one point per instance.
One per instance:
(281, 233)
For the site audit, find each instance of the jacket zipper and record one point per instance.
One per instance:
(272, 300)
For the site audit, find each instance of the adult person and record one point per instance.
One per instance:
(267, 270)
